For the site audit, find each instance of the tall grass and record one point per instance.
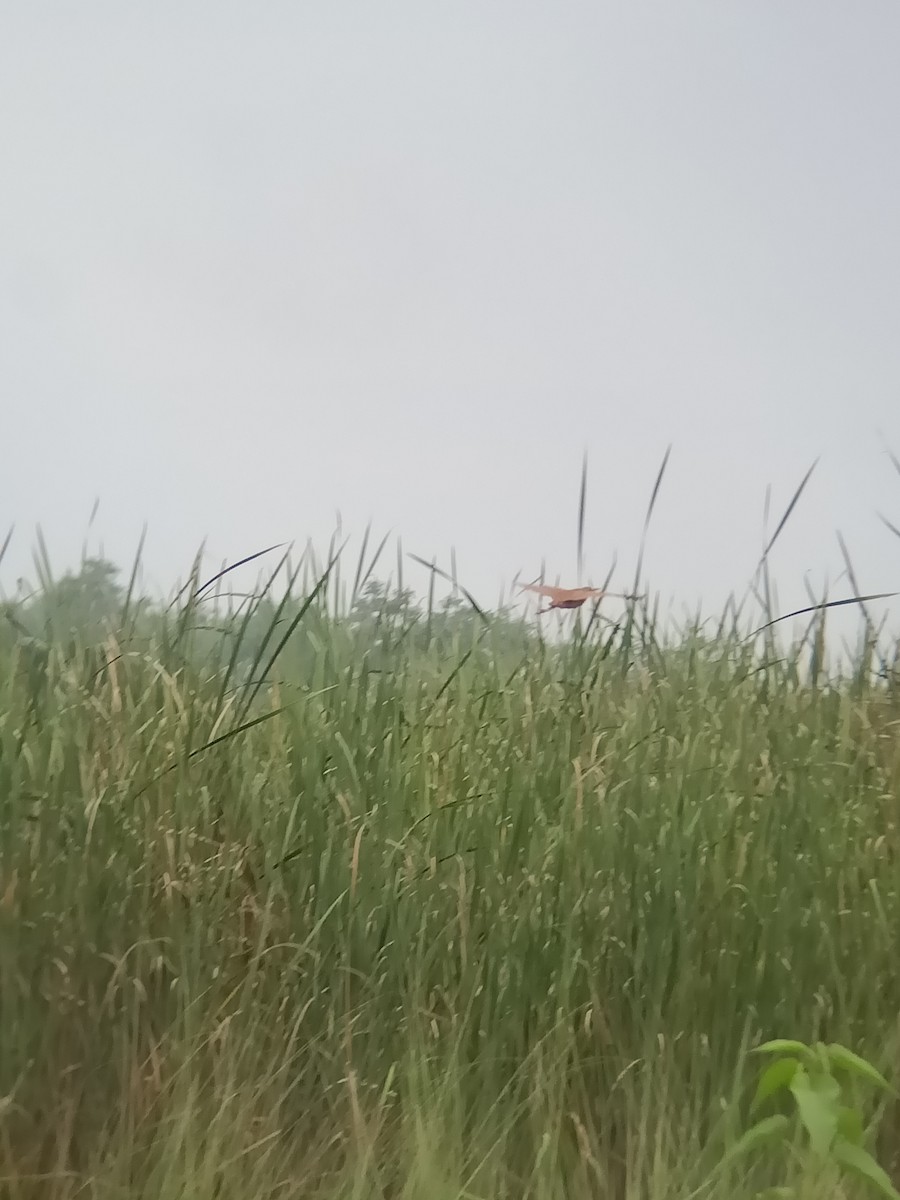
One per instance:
(418, 919)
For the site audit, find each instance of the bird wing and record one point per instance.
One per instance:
(560, 593)
(554, 593)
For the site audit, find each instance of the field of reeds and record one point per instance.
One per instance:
(421, 903)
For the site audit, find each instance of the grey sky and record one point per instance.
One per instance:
(263, 261)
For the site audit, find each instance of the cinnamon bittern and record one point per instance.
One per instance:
(569, 597)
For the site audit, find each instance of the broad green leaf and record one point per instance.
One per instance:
(777, 1193)
(850, 1125)
(861, 1163)
(817, 1099)
(770, 1129)
(840, 1056)
(785, 1046)
(775, 1077)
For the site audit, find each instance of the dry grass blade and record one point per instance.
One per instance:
(851, 575)
(363, 572)
(6, 542)
(242, 728)
(872, 634)
(799, 612)
(443, 574)
(216, 741)
(650, 507)
(234, 566)
(581, 508)
(301, 613)
(787, 512)
(132, 578)
(42, 561)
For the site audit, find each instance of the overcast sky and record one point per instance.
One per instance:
(264, 262)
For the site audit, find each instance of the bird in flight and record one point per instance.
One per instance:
(568, 597)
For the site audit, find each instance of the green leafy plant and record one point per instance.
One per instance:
(818, 1078)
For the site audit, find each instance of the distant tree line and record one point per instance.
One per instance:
(87, 606)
